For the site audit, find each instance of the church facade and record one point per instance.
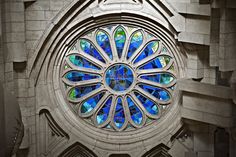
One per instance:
(119, 78)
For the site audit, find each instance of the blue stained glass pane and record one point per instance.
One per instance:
(88, 48)
(120, 38)
(103, 113)
(78, 92)
(75, 76)
(81, 62)
(159, 93)
(91, 103)
(119, 77)
(149, 105)
(119, 117)
(135, 43)
(149, 50)
(135, 113)
(158, 62)
(159, 78)
(103, 41)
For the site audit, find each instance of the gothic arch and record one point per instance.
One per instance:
(44, 70)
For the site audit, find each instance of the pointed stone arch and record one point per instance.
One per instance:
(79, 150)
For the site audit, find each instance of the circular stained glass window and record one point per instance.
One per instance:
(119, 77)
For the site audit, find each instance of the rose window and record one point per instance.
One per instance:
(119, 77)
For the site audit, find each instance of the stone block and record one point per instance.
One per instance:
(49, 15)
(56, 4)
(199, 26)
(40, 5)
(33, 35)
(14, 17)
(207, 104)
(17, 7)
(34, 15)
(15, 37)
(35, 25)
(194, 38)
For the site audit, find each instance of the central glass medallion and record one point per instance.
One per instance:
(119, 77)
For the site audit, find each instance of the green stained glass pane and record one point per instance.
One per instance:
(120, 38)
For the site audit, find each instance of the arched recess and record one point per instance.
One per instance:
(77, 150)
(46, 62)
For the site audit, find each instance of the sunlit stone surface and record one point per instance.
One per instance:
(119, 77)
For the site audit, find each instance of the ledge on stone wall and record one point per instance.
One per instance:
(207, 103)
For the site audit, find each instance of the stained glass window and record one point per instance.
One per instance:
(119, 77)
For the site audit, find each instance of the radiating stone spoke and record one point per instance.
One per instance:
(153, 71)
(82, 69)
(140, 49)
(88, 107)
(149, 108)
(86, 46)
(136, 115)
(83, 83)
(85, 96)
(155, 84)
(93, 60)
(149, 58)
(136, 40)
(102, 117)
(151, 97)
(161, 61)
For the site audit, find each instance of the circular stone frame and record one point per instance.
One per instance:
(102, 140)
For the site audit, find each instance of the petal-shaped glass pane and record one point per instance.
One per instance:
(81, 62)
(135, 43)
(103, 113)
(91, 103)
(158, 62)
(78, 92)
(119, 117)
(151, 48)
(120, 38)
(162, 78)
(103, 41)
(149, 105)
(159, 93)
(75, 76)
(88, 48)
(135, 113)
